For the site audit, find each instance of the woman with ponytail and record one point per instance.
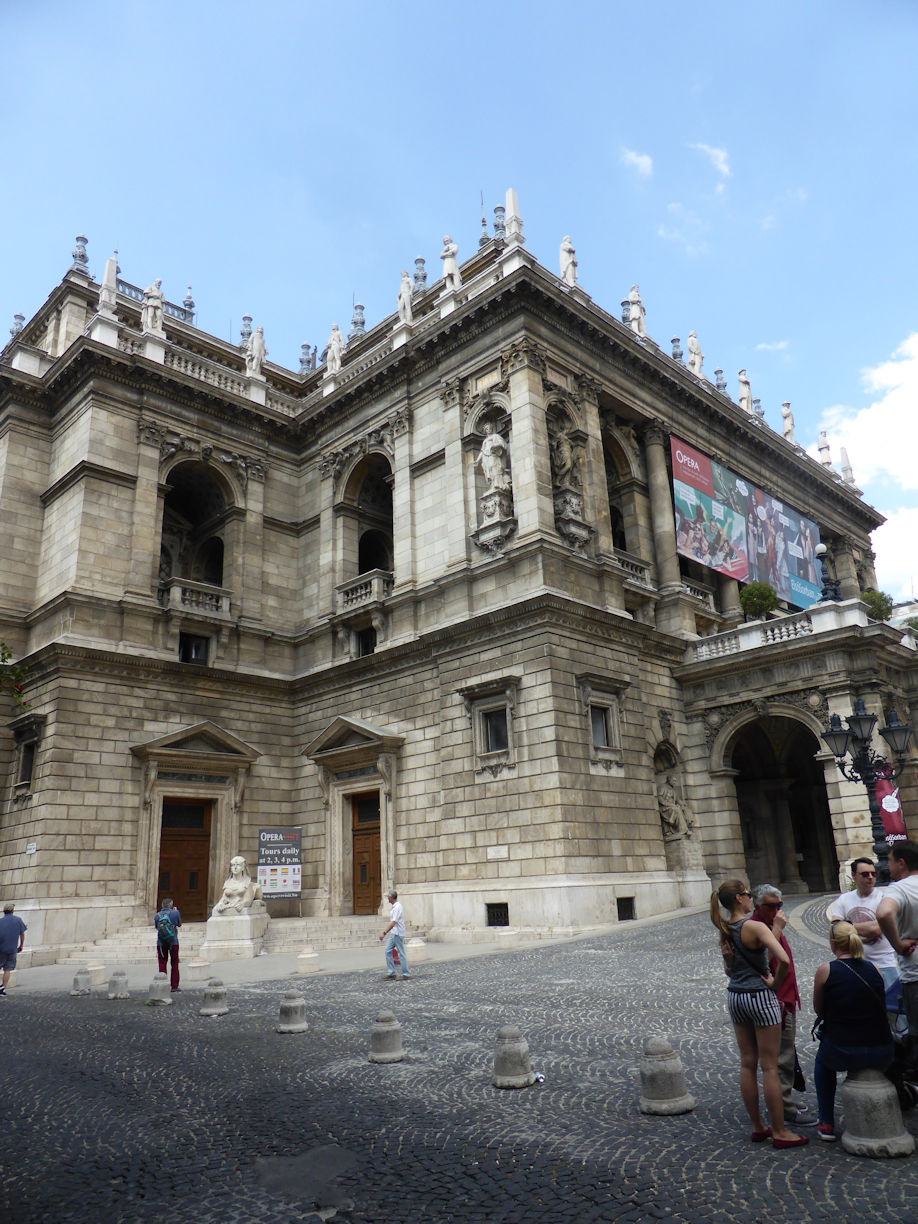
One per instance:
(754, 1007)
(850, 999)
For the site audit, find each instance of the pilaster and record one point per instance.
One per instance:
(533, 502)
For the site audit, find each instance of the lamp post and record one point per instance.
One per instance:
(831, 587)
(868, 766)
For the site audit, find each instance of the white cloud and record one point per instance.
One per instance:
(718, 158)
(779, 346)
(882, 445)
(642, 163)
(685, 228)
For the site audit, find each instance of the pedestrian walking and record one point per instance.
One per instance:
(396, 938)
(12, 941)
(167, 922)
(754, 1007)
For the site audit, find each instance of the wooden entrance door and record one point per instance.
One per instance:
(184, 856)
(367, 873)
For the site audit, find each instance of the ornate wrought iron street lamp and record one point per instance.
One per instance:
(868, 766)
(831, 587)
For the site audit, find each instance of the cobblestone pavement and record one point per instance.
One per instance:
(119, 1113)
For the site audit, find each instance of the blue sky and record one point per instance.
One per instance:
(752, 167)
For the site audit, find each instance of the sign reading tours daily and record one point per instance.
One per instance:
(280, 873)
(729, 525)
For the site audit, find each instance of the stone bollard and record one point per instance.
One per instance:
(663, 1088)
(82, 983)
(307, 961)
(873, 1119)
(118, 985)
(214, 999)
(159, 990)
(512, 1068)
(416, 950)
(292, 1014)
(386, 1039)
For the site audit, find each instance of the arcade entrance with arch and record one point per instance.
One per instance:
(783, 805)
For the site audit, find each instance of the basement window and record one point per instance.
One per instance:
(498, 913)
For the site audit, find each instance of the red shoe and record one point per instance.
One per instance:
(800, 1141)
(761, 1136)
(826, 1132)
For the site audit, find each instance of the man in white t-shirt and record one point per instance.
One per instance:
(859, 907)
(897, 915)
(396, 941)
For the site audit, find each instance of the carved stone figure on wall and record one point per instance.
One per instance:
(675, 815)
(256, 352)
(335, 350)
(568, 261)
(696, 356)
(151, 312)
(239, 891)
(564, 462)
(451, 274)
(406, 290)
(492, 459)
(745, 392)
(638, 315)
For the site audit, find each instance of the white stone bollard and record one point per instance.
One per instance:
(159, 992)
(97, 974)
(214, 999)
(512, 1068)
(663, 1089)
(118, 985)
(292, 1014)
(416, 951)
(307, 961)
(386, 1039)
(873, 1119)
(82, 983)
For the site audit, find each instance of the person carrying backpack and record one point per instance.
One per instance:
(167, 922)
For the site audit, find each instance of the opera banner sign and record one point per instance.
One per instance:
(729, 525)
(280, 873)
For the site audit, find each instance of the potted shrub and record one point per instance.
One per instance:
(758, 599)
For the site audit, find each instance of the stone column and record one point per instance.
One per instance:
(673, 612)
(595, 493)
(403, 535)
(530, 467)
(253, 544)
(730, 605)
(458, 478)
(147, 526)
(328, 569)
(846, 570)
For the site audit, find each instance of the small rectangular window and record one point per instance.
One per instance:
(26, 763)
(494, 724)
(625, 908)
(599, 718)
(193, 649)
(192, 881)
(498, 913)
(365, 640)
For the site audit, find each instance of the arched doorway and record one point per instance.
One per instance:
(783, 807)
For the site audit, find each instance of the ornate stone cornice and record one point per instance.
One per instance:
(171, 442)
(380, 437)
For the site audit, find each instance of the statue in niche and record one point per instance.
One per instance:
(335, 350)
(696, 356)
(568, 261)
(745, 392)
(492, 459)
(151, 312)
(788, 418)
(405, 292)
(255, 352)
(451, 275)
(565, 461)
(675, 814)
(239, 892)
(638, 315)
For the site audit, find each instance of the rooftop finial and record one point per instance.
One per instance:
(514, 230)
(18, 320)
(189, 305)
(846, 469)
(358, 323)
(80, 258)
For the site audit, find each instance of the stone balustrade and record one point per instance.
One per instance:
(820, 618)
(196, 596)
(371, 587)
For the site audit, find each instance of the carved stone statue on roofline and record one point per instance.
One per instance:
(151, 311)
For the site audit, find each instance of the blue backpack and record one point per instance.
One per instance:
(165, 928)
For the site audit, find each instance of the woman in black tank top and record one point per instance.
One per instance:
(754, 1009)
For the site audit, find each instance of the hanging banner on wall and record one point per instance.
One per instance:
(733, 527)
(891, 809)
(280, 873)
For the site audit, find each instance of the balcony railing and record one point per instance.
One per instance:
(372, 587)
(195, 596)
(821, 618)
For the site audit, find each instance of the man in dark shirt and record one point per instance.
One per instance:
(12, 941)
(167, 922)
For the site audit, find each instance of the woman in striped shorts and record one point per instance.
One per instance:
(754, 1007)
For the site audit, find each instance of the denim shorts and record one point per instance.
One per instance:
(7, 962)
